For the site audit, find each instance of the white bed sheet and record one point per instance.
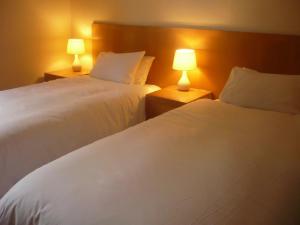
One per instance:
(42, 122)
(205, 163)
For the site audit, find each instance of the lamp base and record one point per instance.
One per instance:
(76, 67)
(184, 82)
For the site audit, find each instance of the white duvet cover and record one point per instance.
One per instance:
(42, 122)
(207, 163)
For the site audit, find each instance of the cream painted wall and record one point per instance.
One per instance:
(34, 32)
(271, 16)
(33, 39)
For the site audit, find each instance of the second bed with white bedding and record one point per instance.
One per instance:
(208, 163)
(42, 122)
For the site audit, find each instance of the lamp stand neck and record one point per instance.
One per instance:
(76, 64)
(184, 82)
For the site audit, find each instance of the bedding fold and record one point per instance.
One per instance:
(45, 121)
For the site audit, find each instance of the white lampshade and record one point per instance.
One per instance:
(75, 46)
(184, 60)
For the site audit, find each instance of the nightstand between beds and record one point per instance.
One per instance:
(170, 98)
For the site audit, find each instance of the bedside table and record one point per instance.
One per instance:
(169, 98)
(63, 74)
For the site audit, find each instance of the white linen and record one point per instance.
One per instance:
(275, 92)
(143, 70)
(45, 121)
(117, 67)
(207, 163)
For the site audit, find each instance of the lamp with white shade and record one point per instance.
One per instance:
(76, 47)
(184, 60)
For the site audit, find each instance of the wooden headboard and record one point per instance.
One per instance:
(217, 51)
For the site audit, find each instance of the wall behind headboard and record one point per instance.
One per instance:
(267, 16)
(218, 51)
(34, 33)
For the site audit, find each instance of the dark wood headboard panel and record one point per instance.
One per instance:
(217, 51)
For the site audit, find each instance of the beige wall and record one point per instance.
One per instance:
(274, 16)
(33, 39)
(34, 32)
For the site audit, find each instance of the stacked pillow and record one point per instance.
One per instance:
(275, 92)
(128, 68)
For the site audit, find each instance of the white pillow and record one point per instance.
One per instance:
(253, 89)
(143, 70)
(118, 67)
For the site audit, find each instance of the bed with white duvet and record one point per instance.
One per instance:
(44, 121)
(209, 162)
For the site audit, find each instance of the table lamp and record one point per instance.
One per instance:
(76, 47)
(184, 60)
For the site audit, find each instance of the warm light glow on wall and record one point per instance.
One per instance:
(87, 61)
(193, 43)
(85, 31)
(57, 65)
